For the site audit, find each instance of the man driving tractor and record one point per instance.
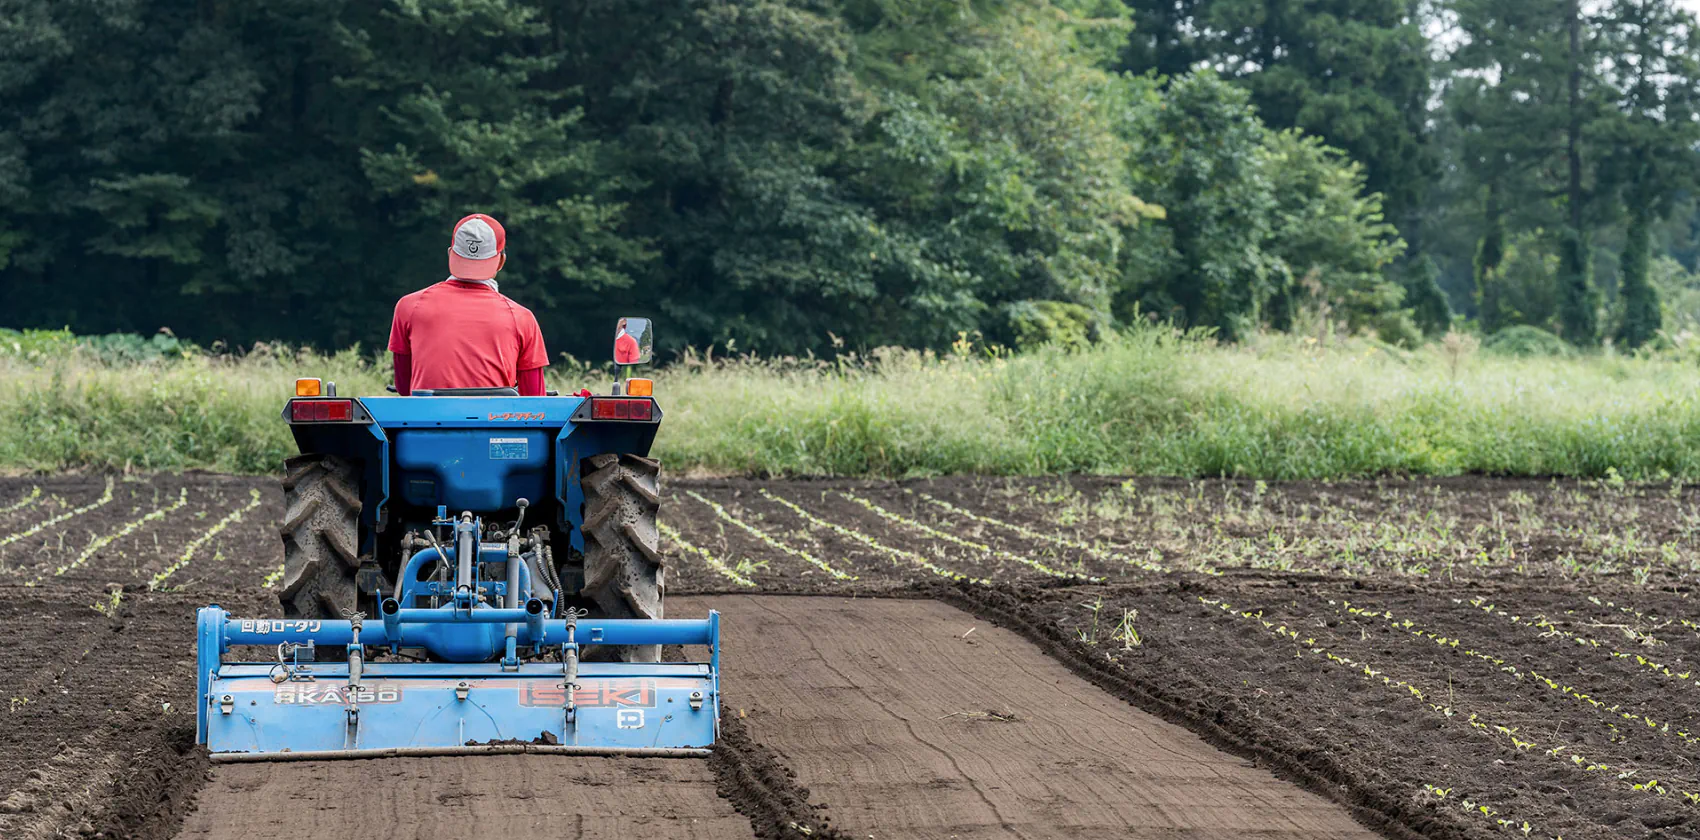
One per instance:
(463, 332)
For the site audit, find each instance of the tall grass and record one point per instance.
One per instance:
(1149, 402)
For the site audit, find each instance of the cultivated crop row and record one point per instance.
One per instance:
(952, 538)
(1527, 676)
(205, 537)
(30, 498)
(105, 499)
(704, 554)
(1055, 539)
(1625, 777)
(1645, 618)
(769, 540)
(1547, 628)
(98, 543)
(895, 553)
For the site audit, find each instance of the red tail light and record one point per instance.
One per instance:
(321, 411)
(618, 409)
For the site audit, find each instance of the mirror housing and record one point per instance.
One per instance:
(634, 341)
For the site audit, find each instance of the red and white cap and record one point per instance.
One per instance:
(476, 251)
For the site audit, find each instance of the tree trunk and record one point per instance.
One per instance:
(1489, 253)
(1642, 319)
(1578, 299)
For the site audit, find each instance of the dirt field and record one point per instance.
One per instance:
(1093, 657)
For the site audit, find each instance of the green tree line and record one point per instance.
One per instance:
(787, 176)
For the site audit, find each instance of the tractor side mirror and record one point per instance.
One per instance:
(634, 342)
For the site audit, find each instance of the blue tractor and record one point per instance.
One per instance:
(465, 571)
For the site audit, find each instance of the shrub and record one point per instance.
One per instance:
(1524, 341)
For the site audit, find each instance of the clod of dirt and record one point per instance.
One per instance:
(18, 803)
(546, 738)
(988, 715)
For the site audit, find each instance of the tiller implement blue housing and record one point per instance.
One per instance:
(299, 709)
(495, 557)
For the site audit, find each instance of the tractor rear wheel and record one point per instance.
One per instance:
(321, 533)
(623, 573)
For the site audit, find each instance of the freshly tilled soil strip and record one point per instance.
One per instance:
(915, 720)
(703, 554)
(1657, 785)
(769, 539)
(200, 541)
(104, 499)
(952, 538)
(897, 553)
(1181, 699)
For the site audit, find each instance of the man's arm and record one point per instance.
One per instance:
(404, 373)
(531, 382)
(401, 334)
(533, 357)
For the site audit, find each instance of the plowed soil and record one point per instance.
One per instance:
(1047, 658)
(913, 719)
(500, 795)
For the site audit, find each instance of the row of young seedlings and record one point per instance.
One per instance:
(769, 540)
(98, 543)
(1646, 618)
(1479, 809)
(30, 498)
(1145, 563)
(105, 499)
(1547, 628)
(894, 553)
(1531, 676)
(956, 540)
(1475, 721)
(205, 537)
(703, 554)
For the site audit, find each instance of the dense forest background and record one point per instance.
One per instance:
(785, 176)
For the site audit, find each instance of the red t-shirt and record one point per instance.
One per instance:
(626, 350)
(466, 335)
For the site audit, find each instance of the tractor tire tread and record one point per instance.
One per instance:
(623, 573)
(320, 537)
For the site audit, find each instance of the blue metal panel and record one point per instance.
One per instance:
(610, 631)
(252, 707)
(616, 705)
(483, 469)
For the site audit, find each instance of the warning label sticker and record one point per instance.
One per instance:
(508, 449)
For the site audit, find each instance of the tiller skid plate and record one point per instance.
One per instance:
(313, 710)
